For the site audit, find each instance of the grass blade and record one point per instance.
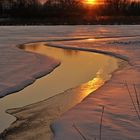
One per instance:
(137, 98)
(78, 130)
(133, 102)
(101, 122)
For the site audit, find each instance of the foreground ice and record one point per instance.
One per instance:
(120, 121)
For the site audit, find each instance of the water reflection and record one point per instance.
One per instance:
(85, 89)
(91, 86)
(70, 52)
(37, 48)
(91, 39)
(82, 71)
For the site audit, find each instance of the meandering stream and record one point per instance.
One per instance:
(77, 68)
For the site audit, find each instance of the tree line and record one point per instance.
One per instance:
(62, 9)
(121, 8)
(33, 8)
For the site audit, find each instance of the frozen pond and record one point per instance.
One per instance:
(77, 67)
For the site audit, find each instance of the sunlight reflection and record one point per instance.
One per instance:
(91, 39)
(91, 86)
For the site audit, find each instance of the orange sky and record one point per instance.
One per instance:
(97, 1)
(93, 1)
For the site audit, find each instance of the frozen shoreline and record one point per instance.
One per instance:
(74, 96)
(17, 72)
(10, 88)
(90, 107)
(86, 115)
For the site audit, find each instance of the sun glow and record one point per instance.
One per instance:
(90, 2)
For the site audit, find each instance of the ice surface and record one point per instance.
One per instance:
(18, 68)
(120, 121)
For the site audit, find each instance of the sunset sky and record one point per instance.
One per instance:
(88, 1)
(81, 0)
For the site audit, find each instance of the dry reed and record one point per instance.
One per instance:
(101, 123)
(135, 104)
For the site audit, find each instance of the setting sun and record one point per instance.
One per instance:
(90, 2)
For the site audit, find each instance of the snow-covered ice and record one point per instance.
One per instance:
(18, 68)
(120, 121)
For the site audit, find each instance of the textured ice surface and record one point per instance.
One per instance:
(18, 68)
(120, 121)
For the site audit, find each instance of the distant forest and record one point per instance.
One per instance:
(69, 12)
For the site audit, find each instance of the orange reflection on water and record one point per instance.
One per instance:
(91, 39)
(92, 85)
(87, 88)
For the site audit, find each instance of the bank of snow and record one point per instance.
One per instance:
(18, 69)
(120, 121)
